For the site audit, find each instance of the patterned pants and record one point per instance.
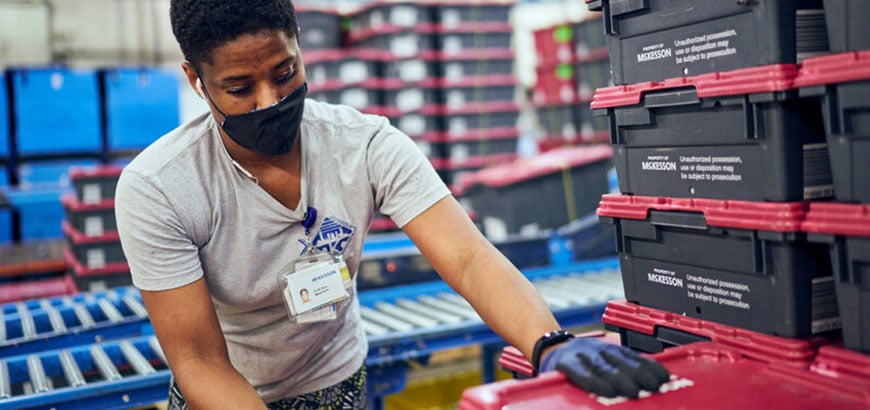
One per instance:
(349, 394)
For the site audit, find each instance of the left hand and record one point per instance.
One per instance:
(605, 369)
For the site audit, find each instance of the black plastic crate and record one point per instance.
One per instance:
(319, 28)
(739, 263)
(385, 15)
(457, 97)
(586, 238)
(460, 152)
(542, 192)
(453, 174)
(330, 69)
(364, 96)
(410, 97)
(589, 36)
(651, 40)
(93, 279)
(95, 251)
(592, 74)
(400, 42)
(90, 219)
(467, 68)
(592, 128)
(846, 228)
(419, 124)
(472, 37)
(843, 82)
(456, 13)
(743, 135)
(847, 25)
(474, 117)
(394, 267)
(94, 185)
(411, 70)
(652, 331)
(559, 122)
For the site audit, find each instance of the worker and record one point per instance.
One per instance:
(226, 218)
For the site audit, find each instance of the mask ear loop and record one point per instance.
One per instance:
(201, 87)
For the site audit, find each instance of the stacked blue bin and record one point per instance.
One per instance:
(141, 105)
(5, 208)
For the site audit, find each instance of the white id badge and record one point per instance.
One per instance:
(312, 286)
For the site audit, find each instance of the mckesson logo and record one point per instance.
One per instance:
(658, 166)
(654, 55)
(665, 280)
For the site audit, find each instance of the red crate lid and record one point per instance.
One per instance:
(474, 27)
(30, 289)
(482, 108)
(836, 361)
(838, 219)
(472, 162)
(336, 54)
(754, 345)
(763, 216)
(703, 376)
(79, 238)
(386, 29)
(474, 135)
(79, 269)
(478, 54)
(475, 81)
(70, 202)
(834, 68)
(105, 171)
(550, 162)
(769, 78)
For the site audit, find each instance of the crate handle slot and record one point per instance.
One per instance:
(678, 219)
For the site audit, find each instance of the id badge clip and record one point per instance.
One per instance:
(314, 283)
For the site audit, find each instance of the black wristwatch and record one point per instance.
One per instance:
(547, 340)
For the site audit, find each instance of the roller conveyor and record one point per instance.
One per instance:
(45, 324)
(425, 318)
(111, 375)
(401, 323)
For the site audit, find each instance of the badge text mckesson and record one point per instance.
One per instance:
(665, 277)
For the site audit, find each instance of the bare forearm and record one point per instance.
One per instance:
(215, 386)
(505, 299)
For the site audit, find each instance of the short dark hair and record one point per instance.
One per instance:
(200, 26)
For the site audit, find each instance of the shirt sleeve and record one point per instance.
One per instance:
(404, 182)
(158, 247)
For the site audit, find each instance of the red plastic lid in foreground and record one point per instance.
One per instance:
(549, 162)
(838, 219)
(754, 345)
(763, 216)
(703, 376)
(769, 78)
(835, 68)
(106, 171)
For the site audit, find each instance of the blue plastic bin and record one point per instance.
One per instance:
(50, 172)
(4, 118)
(141, 105)
(39, 210)
(57, 111)
(5, 220)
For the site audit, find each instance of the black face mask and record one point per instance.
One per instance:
(271, 130)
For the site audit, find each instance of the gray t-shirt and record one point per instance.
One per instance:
(185, 211)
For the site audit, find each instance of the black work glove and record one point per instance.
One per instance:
(605, 369)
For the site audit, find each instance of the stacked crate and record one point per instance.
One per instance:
(477, 86)
(93, 250)
(572, 61)
(72, 118)
(842, 80)
(716, 154)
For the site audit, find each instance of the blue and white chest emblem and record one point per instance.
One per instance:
(333, 237)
